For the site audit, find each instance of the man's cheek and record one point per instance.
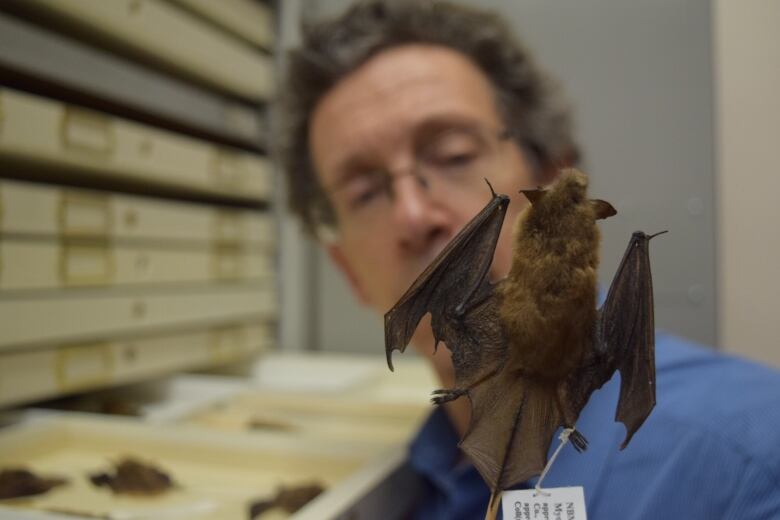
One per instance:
(381, 286)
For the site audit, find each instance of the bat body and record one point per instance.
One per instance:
(529, 350)
(548, 301)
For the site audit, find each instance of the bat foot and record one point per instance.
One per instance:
(578, 441)
(445, 395)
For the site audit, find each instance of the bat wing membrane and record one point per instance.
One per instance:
(627, 335)
(457, 276)
(513, 420)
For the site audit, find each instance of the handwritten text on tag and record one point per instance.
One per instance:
(566, 503)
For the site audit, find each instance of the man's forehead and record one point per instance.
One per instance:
(381, 103)
(410, 76)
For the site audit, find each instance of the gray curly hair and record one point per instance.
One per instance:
(532, 105)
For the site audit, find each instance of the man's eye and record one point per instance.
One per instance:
(453, 162)
(364, 197)
(364, 190)
(456, 160)
(452, 151)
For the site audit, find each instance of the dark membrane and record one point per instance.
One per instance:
(289, 499)
(21, 482)
(132, 476)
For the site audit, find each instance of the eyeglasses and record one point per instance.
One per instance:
(452, 160)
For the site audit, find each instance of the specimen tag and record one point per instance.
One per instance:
(565, 503)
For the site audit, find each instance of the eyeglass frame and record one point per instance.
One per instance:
(331, 231)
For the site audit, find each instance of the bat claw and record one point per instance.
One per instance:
(649, 237)
(491, 188)
(445, 395)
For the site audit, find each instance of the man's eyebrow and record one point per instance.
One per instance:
(435, 126)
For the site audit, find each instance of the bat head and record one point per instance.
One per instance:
(561, 207)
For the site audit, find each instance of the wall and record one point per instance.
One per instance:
(747, 47)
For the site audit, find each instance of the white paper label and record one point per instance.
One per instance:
(566, 503)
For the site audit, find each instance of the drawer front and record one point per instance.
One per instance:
(229, 342)
(78, 316)
(60, 369)
(32, 209)
(247, 19)
(35, 265)
(161, 33)
(83, 366)
(58, 136)
(82, 214)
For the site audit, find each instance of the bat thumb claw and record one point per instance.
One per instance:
(491, 187)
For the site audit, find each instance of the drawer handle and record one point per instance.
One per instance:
(228, 227)
(227, 343)
(86, 264)
(227, 263)
(85, 214)
(83, 366)
(227, 170)
(87, 132)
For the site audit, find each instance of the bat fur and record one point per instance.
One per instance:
(548, 300)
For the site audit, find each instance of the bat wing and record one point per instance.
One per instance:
(456, 291)
(513, 422)
(626, 336)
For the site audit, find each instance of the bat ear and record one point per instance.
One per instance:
(603, 209)
(534, 196)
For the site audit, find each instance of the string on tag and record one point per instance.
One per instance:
(564, 438)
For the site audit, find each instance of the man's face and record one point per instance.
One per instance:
(387, 116)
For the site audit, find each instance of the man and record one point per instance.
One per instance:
(396, 113)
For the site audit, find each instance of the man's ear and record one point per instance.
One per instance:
(337, 257)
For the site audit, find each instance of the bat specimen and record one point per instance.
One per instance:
(288, 499)
(529, 350)
(134, 477)
(21, 482)
(262, 423)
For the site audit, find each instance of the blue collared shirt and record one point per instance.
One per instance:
(709, 450)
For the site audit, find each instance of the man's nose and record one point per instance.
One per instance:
(417, 218)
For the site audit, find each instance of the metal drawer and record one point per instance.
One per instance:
(62, 368)
(84, 314)
(36, 264)
(247, 19)
(41, 133)
(164, 35)
(52, 211)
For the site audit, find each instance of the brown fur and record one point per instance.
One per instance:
(548, 301)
